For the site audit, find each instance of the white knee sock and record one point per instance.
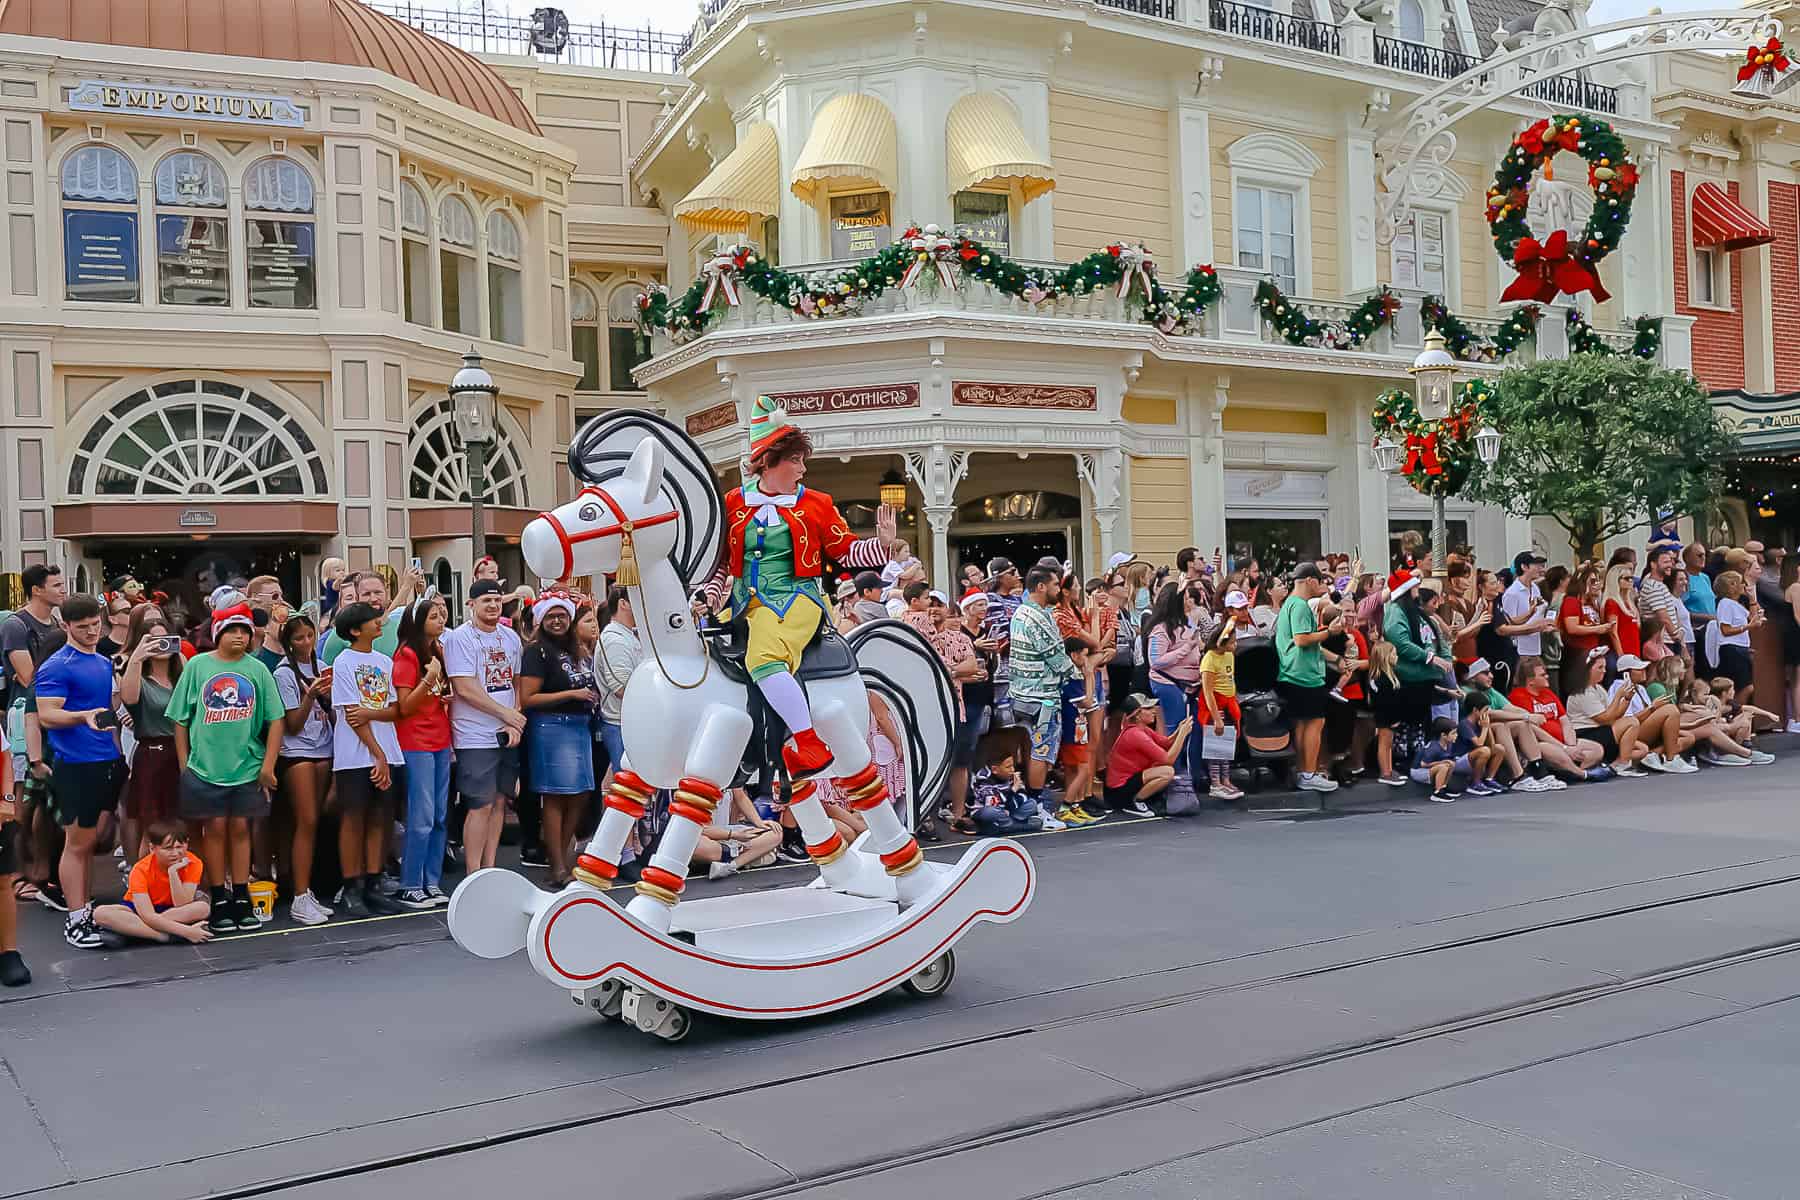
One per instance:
(783, 693)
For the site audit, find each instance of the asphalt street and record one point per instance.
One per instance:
(1592, 993)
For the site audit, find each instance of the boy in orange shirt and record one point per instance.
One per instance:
(163, 900)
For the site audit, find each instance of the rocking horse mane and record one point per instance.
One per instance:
(602, 450)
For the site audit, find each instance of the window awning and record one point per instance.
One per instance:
(1721, 223)
(743, 187)
(853, 143)
(986, 145)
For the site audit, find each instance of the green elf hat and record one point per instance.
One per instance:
(768, 421)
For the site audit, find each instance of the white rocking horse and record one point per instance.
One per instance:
(878, 915)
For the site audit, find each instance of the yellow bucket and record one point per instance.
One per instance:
(262, 898)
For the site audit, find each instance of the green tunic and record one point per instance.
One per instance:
(769, 571)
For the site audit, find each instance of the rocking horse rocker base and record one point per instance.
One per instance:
(774, 955)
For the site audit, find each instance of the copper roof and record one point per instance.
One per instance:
(333, 31)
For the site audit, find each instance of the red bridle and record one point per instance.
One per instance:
(621, 525)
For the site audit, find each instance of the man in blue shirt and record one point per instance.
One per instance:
(1702, 605)
(87, 772)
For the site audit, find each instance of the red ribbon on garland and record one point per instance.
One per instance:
(1546, 269)
(1763, 58)
(1421, 450)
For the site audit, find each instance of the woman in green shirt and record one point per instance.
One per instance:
(152, 656)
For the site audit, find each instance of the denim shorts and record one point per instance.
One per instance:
(1046, 727)
(559, 750)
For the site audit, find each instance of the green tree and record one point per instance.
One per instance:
(1602, 444)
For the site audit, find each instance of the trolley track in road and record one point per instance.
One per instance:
(1459, 1023)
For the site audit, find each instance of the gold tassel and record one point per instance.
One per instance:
(627, 575)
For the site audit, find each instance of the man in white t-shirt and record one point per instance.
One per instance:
(482, 659)
(1527, 616)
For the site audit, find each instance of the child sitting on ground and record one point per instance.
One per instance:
(1739, 719)
(1001, 804)
(163, 902)
(750, 841)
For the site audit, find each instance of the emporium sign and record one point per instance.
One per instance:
(97, 95)
(872, 398)
(708, 419)
(1025, 395)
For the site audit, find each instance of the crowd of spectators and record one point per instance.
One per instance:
(342, 755)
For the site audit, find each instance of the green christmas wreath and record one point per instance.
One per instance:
(1439, 455)
(1554, 265)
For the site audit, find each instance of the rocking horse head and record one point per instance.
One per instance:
(607, 529)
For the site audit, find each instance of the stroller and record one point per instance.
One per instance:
(1266, 738)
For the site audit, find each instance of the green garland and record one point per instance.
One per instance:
(1465, 343)
(1439, 455)
(845, 291)
(1299, 328)
(1644, 344)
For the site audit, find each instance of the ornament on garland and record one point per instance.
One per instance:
(1561, 264)
(1298, 328)
(929, 246)
(1766, 71)
(1465, 344)
(1439, 454)
(1646, 340)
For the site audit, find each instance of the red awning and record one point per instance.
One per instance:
(1723, 224)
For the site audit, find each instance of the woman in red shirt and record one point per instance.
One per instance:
(424, 732)
(1582, 626)
(1621, 610)
(1143, 761)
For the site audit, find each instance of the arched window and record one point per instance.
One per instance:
(624, 347)
(584, 335)
(415, 251)
(1412, 21)
(456, 267)
(100, 226)
(197, 437)
(281, 255)
(193, 241)
(506, 290)
(439, 467)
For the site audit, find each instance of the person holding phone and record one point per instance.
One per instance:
(482, 658)
(152, 665)
(75, 708)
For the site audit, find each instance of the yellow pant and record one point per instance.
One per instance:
(776, 642)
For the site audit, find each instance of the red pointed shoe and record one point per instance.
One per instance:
(806, 756)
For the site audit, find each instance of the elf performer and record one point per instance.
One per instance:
(779, 534)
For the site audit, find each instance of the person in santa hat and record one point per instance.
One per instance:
(778, 535)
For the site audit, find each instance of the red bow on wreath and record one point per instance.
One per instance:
(1763, 58)
(1546, 269)
(1421, 451)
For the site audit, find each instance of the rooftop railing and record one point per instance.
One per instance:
(613, 47)
(1264, 24)
(1421, 59)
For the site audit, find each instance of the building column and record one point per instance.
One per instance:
(936, 472)
(1356, 225)
(1191, 179)
(1370, 490)
(1100, 471)
(1757, 304)
(1206, 459)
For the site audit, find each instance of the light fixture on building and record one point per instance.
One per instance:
(1487, 445)
(1434, 374)
(893, 490)
(473, 396)
(1387, 454)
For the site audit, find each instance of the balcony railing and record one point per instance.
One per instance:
(612, 47)
(1168, 10)
(1249, 20)
(1571, 92)
(1422, 60)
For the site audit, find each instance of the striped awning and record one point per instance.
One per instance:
(853, 144)
(744, 186)
(985, 145)
(1721, 223)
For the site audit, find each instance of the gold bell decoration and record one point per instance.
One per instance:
(627, 575)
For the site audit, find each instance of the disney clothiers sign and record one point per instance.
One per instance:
(204, 104)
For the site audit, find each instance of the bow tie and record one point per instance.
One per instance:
(766, 508)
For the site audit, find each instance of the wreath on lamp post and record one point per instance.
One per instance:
(1559, 264)
(1438, 455)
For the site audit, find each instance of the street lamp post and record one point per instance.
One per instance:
(1434, 376)
(473, 394)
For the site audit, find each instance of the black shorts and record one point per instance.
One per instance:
(1602, 737)
(1302, 703)
(203, 801)
(967, 745)
(1126, 793)
(80, 792)
(1119, 680)
(9, 848)
(1734, 664)
(356, 792)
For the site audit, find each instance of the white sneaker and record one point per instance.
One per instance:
(721, 869)
(1681, 766)
(1317, 783)
(1724, 760)
(306, 910)
(1554, 783)
(1528, 783)
(1761, 757)
(1793, 726)
(1654, 762)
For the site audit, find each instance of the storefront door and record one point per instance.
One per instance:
(1278, 543)
(188, 571)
